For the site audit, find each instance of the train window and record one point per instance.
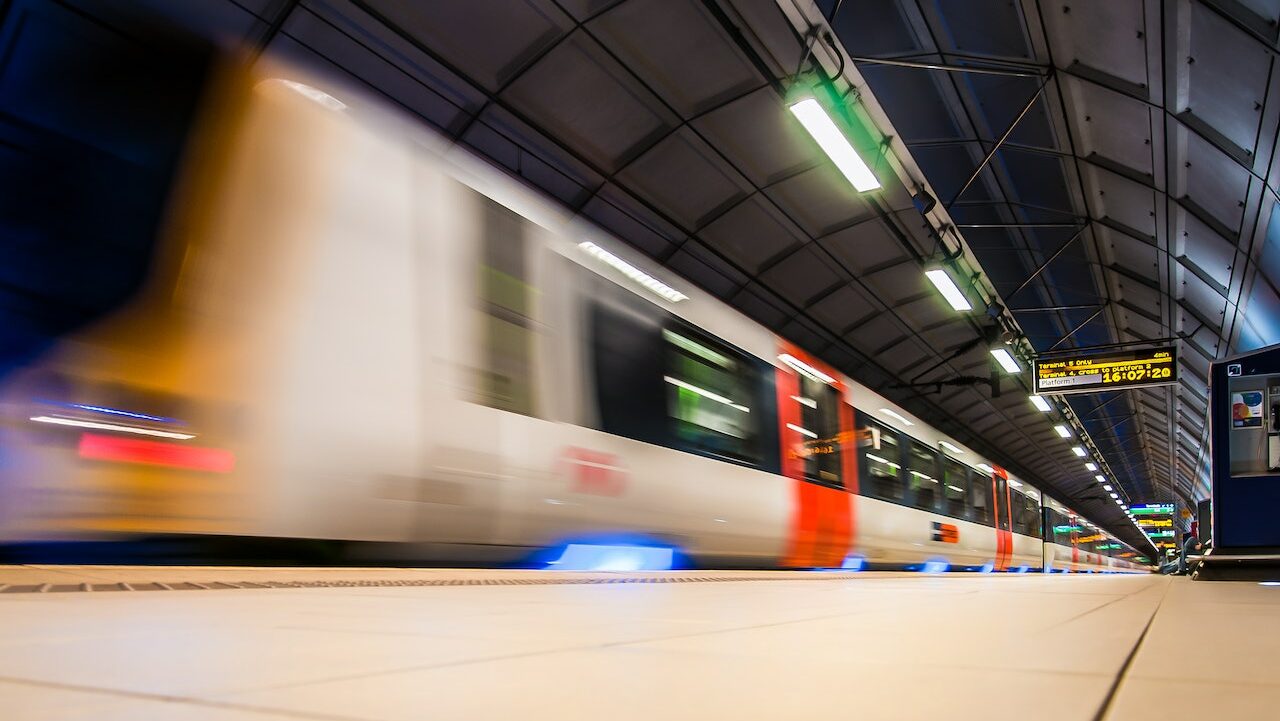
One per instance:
(1021, 512)
(627, 360)
(955, 490)
(710, 392)
(506, 304)
(882, 455)
(980, 499)
(922, 470)
(1059, 528)
(820, 416)
(1032, 515)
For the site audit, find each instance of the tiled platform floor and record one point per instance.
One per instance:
(762, 646)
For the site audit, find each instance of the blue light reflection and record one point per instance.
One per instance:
(853, 563)
(591, 557)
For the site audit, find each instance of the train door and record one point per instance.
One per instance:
(815, 427)
(1002, 503)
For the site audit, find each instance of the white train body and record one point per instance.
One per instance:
(348, 363)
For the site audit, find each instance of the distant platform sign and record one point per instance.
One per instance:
(1151, 509)
(1092, 373)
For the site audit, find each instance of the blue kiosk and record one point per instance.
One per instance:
(1244, 420)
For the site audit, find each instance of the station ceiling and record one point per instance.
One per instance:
(1129, 202)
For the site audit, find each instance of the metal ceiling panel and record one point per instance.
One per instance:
(759, 137)
(678, 50)
(804, 276)
(491, 42)
(752, 233)
(683, 174)
(582, 96)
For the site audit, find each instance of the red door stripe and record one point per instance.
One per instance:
(822, 517)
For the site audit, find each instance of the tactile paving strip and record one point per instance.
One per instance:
(390, 583)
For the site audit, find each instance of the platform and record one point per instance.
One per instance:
(258, 644)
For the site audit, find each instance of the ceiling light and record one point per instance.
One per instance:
(1006, 360)
(1079, 451)
(947, 287)
(1106, 487)
(639, 276)
(833, 142)
(1101, 479)
(1091, 466)
(1040, 403)
(805, 368)
(1062, 430)
(951, 447)
(1114, 495)
(1126, 508)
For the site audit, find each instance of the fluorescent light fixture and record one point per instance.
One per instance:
(951, 447)
(957, 489)
(811, 403)
(1091, 466)
(1119, 502)
(1006, 360)
(1115, 495)
(805, 369)
(802, 431)
(1079, 451)
(1101, 479)
(941, 280)
(654, 285)
(894, 414)
(1040, 403)
(112, 427)
(1062, 430)
(985, 467)
(705, 393)
(833, 142)
(1107, 487)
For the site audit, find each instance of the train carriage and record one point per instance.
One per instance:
(357, 332)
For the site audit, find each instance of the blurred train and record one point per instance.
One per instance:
(355, 331)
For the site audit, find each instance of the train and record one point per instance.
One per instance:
(355, 331)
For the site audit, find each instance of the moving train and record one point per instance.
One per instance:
(355, 331)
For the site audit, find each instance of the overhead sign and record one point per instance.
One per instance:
(1151, 509)
(1092, 373)
(1155, 522)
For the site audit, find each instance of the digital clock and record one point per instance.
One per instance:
(1092, 373)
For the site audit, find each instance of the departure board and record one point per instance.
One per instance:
(1092, 373)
